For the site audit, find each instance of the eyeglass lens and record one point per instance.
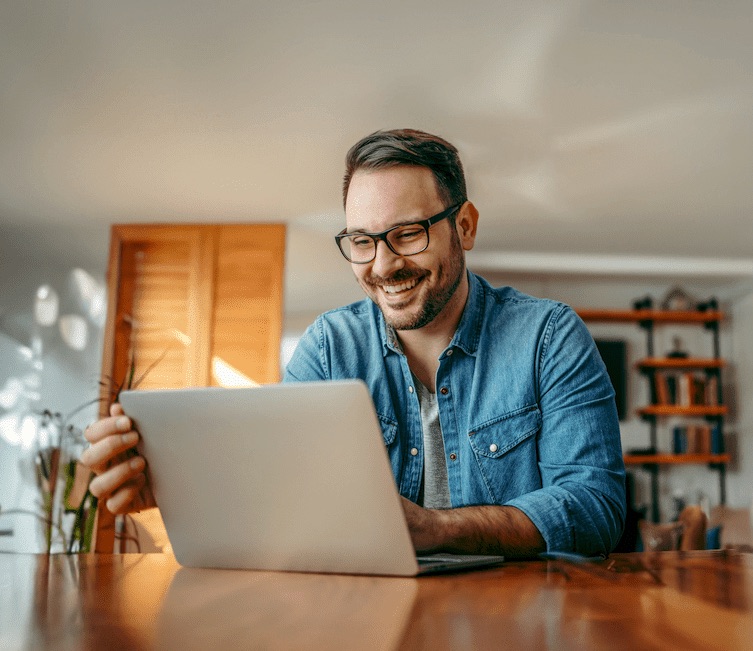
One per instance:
(403, 240)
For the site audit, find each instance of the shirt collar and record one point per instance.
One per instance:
(389, 336)
(469, 329)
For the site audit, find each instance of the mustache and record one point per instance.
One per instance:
(400, 276)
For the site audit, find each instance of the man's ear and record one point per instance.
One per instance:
(466, 222)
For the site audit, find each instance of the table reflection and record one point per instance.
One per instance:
(235, 609)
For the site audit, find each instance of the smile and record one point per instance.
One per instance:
(402, 287)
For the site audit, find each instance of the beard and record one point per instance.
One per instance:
(401, 316)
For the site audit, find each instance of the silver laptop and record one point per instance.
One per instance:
(289, 477)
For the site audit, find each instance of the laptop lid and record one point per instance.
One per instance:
(289, 477)
(279, 477)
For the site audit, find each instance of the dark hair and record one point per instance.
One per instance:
(383, 149)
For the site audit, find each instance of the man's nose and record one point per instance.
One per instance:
(386, 262)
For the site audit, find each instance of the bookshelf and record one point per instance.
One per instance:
(682, 363)
(670, 459)
(654, 316)
(686, 389)
(691, 411)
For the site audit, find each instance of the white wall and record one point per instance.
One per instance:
(64, 380)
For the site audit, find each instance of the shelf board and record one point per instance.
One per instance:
(667, 459)
(666, 316)
(677, 410)
(680, 362)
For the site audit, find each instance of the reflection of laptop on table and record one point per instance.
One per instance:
(281, 477)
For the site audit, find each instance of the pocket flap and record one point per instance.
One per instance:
(495, 438)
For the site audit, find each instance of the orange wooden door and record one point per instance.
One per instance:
(247, 311)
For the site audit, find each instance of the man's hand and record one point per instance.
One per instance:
(424, 526)
(120, 474)
(473, 530)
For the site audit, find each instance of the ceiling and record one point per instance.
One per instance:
(589, 129)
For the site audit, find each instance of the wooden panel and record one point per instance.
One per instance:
(155, 277)
(247, 317)
(159, 307)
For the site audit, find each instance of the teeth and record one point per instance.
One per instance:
(394, 289)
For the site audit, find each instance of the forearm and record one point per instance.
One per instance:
(477, 530)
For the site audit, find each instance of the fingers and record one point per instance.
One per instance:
(101, 455)
(128, 497)
(115, 478)
(116, 424)
(109, 438)
(120, 477)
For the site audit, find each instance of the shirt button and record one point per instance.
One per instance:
(493, 447)
(410, 389)
(449, 352)
(414, 451)
(453, 456)
(444, 391)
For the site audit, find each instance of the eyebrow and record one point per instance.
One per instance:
(407, 222)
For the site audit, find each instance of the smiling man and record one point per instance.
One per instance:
(497, 413)
(496, 410)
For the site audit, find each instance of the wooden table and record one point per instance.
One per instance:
(666, 600)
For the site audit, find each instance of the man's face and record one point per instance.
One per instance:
(410, 291)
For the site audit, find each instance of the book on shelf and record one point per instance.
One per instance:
(679, 440)
(717, 440)
(711, 391)
(685, 389)
(696, 439)
(661, 389)
(671, 388)
(699, 439)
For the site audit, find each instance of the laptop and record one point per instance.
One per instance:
(291, 477)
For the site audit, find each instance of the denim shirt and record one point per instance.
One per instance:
(526, 408)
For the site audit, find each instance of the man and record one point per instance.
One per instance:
(497, 412)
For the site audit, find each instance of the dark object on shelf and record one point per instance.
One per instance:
(678, 299)
(614, 354)
(709, 306)
(677, 352)
(642, 452)
(645, 303)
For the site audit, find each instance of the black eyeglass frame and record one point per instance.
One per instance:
(425, 223)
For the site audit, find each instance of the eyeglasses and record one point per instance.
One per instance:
(403, 239)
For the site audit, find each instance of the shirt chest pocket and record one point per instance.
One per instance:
(495, 439)
(505, 452)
